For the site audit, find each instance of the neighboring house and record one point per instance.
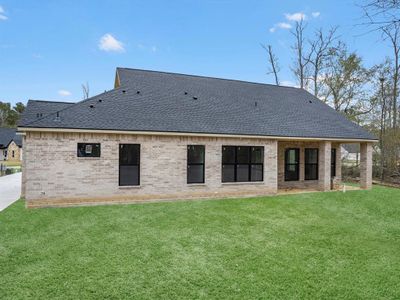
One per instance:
(159, 136)
(10, 145)
(351, 153)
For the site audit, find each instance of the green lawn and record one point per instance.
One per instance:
(317, 245)
(11, 163)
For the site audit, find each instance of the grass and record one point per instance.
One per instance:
(11, 163)
(319, 246)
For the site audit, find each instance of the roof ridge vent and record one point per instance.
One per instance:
(100, 100)
(123, 91)
(137, 92)
(194, 98)
(91, 106)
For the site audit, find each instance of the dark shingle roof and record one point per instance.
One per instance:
(37, 109)
(169, 102)
(7, 135)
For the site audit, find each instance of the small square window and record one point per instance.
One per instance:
(88, 150)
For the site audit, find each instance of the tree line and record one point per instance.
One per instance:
(325, 66)
(9, 115)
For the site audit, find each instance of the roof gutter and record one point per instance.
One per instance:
(164, 133)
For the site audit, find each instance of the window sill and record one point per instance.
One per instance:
(129, 187)
(196, 184)
(88, 158)
(244, 183)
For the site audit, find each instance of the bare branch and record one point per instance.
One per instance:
(273, 62)
(85, 90)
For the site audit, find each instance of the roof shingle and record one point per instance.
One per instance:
(170, 102)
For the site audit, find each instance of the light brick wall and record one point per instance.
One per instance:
(366, 165)
(324, 165)
(17, 152)
(55, 175)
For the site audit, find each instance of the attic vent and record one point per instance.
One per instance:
(310, 101)
(255, 104)
(194, 98)
(123, 91)
(100, 100)
(91, 106)
(57, 118)
(39, 115)
(138, 92)
(186, 93)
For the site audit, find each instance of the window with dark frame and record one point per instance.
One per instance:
(195, 163)
(242, 163)
(292, 161)
(129, 164)
(311, 164)
(88, 150)
(333, 162)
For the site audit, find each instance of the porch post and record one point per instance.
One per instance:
(23, 168)
(338, 169)
(271, 166)
(324, 164)
(365, 165)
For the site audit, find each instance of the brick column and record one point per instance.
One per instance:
(271, 166)
(23, 168)
(339, 163)
(338, 169)
(324, 164)
(365, 165)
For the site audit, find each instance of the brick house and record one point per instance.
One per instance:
(159, 136)
(10, 145)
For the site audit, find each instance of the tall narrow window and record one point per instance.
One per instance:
(129, 164)
(333, 162)
(311, 164)
(242, 163)
(195, 163)
(292, 164)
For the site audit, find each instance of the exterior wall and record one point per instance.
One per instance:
(324, 171)
(17, 152)
(54, 175)
(2, 154)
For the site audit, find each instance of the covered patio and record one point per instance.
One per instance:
(316, 165)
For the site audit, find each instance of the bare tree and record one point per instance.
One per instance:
(382, 13)
(85, 90)
(392, 33)
(273, 63)
(320, 51)
(303, 57)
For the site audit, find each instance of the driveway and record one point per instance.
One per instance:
(10, 189)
